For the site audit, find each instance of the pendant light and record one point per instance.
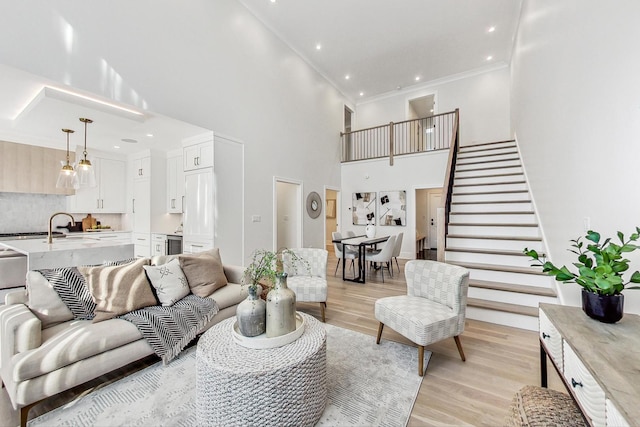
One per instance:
(86, 173)
(67, 178)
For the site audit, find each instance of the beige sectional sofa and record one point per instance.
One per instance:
(41, 356)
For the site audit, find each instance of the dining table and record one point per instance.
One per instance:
(362, 242)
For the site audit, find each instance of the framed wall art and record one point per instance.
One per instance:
(392, 207)
(363, 208)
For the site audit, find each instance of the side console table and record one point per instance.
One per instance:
(598, 362)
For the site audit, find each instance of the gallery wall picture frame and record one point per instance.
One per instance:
(331, 208)
(392, 208)
(363, 208)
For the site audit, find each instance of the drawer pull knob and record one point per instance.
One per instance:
(575, 383)
(545, 336)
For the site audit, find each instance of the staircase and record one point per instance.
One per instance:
(491, 221)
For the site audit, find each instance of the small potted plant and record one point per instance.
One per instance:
(601, 267)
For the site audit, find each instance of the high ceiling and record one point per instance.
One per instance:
(384, 45)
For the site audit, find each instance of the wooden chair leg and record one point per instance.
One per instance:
(24, 413)
(337, 265)
(380, 326)
(459, 345)
(323, 305)
(421, 360)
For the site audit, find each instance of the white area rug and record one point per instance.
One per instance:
(368, 385)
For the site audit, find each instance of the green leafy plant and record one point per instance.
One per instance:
(266, 264)
(600, 265)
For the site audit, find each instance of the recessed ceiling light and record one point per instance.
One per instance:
(491, 29)
(116, 146)
(273, 1)
(150, 135)
(318, 46)
(361, 93)
(431, 111)
(129, 140)
(489, 58)
(417, 78)
(347, 77)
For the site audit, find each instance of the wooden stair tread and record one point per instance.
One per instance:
(494, 213)
(517, 238)
(484, 144)
(473, 156)
(495, 175)
(502, 306)
(509, 287)
(490, 192)
(487, 202)
(487, 161)
(489, 251)
(501, 268)
(491, 224)
(489, 183)
(484, 150)
(487, 168)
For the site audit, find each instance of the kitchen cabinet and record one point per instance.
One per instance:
(175, 184)
(158, 244)
(198, 152)
(193, 246)
(108, 196)
(141, 207)
(141, 245)
(198, 217)
(141, 168)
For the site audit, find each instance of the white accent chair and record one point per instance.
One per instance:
(433, 309)
(308, 278)
(383, 256)
(348, 253)
(397, 249)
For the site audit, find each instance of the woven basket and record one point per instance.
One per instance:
(537, 406)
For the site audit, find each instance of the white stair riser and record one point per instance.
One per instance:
(463, 154)
(489, 188)
(500, 197)
(479, 218)
(491, 259)
(463, 167)
(503, 318)
(509, 277)
(510, 297)
(508, 245)
(491, 158)
(488, 179)
(500, 231)
(512, 169)
(496, 207)
(468, 148)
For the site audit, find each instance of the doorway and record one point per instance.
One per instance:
(287, 220)
(331, 217)
(428, 200)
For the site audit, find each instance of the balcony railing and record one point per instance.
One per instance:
(396, 139)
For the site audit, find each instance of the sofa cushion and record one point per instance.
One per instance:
(119, 289)
(71, 341)
(229, 295)
(168, 281)
(162, 259)
(204, 272)
(72, 289)
(44, 301)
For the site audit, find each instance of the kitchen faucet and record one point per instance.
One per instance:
(50, 236)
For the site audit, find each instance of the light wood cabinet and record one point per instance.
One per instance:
(30, 169)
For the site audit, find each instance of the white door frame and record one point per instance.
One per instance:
(338, 210)
(299, 209)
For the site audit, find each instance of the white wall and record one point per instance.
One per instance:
(408, 173)
(483, 100)
(288, 206)
(210, 63)
(576, 114)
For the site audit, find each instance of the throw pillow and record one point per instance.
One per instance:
(72, 289)
(44, 301)
(204, 272)
(168, 281)
(119, 289)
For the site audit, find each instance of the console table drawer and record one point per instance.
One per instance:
(551, 338)
(584, 387)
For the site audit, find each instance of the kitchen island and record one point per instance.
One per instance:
(69, 252)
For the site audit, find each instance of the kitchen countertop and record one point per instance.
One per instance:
(68, 252)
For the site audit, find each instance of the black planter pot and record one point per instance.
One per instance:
(605, 308)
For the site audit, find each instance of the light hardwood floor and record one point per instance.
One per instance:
(500, 359)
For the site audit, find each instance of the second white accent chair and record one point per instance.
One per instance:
(383, 256)
(397, 249)
(308, 277)
(349, 253)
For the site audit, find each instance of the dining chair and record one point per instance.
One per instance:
(433, 309)
(383, 256)
(397, 248)
(348, 253)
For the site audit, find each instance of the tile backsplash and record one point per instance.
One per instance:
(24, 212)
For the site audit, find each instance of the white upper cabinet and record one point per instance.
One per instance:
(175, 184)
(198, 152)
(141, 168)
(108, 196)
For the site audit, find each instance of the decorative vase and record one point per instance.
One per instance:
(370, 231)
(251, 314)
(281, 308)
(605, 308)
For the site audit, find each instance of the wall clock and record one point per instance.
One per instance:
(314, 204)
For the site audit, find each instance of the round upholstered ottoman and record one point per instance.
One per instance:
(284, 386)
(538, 406)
